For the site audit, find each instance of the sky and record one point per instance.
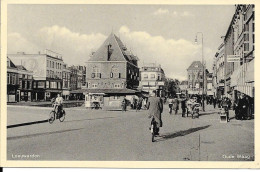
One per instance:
(161, 34)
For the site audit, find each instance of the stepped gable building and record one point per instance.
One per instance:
(111, 73)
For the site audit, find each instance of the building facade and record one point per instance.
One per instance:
(19, 82)
(82, 76)
(219, 72)
(47, 72)
(66, 82)
(12, 81)
(238, 55)
(184, 87)
(209, 88)
(195, 78)
(25, 79)
(153, 78)
(112, 72)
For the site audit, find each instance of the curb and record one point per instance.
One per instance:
(27, 123)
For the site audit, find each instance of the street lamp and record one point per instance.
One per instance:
(202, 60)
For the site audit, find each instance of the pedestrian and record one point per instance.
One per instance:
(248, 115)
(139, 103)
(124, 104)
(183, 106)
(155, 107)
(175, 105)
(170, 100)
(243, 106)
(214, 102)
(226, 105)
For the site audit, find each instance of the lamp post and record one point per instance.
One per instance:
(202, 60)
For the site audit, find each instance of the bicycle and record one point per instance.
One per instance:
(153, 128)
(60, 114)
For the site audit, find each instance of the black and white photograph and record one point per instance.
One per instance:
(130, 82)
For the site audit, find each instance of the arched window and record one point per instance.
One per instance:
(96, 72)
(115, 72)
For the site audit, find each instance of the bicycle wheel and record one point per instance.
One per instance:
(152, 130)
(62, 118)
(52, 117)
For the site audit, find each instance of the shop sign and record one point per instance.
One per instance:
(233, 58)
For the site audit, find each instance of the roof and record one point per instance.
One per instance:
(111, 91)
(184, 83)
(118, 51)
(21, 67)
(11, 63)
(195, 65)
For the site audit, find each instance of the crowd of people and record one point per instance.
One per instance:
(154, 104)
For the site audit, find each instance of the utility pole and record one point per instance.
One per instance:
(203, 68)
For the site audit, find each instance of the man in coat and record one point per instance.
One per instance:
(183, 106)
(155, 107)
(243, 106)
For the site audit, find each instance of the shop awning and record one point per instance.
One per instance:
(65, 92)
(249, 75)
(78, 91)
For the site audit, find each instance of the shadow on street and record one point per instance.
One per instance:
(181, 133)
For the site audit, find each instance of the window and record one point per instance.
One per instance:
(152, 76)
(28, 84)
(48, 73)
(8, 78)
(94, 85)
(114, 72)
(41, 84)
(145, 76)
(34, 84)
(117, 86)
(158, 77)
(23, 84)
(246, 37)
(53, 84)
(96, 73)
(29, 76)
(246, 27)
(13, 79)
(246, 47)
(47, 84)
(47, 63)
(59, 85)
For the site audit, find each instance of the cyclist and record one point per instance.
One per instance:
(155, 106)
(58, 103)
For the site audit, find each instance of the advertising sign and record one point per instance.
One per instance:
(233, 58)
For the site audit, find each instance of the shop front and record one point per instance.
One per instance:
(25, 95)
(107, 97)
(12, 93)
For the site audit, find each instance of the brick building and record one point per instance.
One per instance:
(111, 72)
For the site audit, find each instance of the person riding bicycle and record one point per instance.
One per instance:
(155, 107)
(58, 103)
